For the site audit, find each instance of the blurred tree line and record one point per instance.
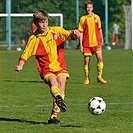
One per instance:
(68, 9)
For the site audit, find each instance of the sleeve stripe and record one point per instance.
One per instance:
(22, 59)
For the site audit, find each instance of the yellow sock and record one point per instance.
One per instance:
(55, 106)
(86, 70)
(100, 68)
(56, 110)
(63, 96)
(55, 91)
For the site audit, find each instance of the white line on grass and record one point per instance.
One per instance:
(122, 103)
(46, 105)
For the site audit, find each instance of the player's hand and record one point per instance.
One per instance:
(102, 43)
(81, 48)
(17, 68)
(77, 33)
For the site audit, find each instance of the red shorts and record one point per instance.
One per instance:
(92, 50)
(56, 74)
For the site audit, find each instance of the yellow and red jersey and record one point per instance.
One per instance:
(90, 26)
(48, 49)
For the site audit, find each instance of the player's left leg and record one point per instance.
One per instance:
(113, 39)
(116, 40)
(100, 66)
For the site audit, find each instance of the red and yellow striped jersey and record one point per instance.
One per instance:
(90, 26)
(48, 49)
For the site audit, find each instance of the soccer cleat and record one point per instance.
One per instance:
(100, 79)
(87, 81)
(53, 120)
(61, 103)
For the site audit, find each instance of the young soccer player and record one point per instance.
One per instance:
(47, 45)
(91, 41)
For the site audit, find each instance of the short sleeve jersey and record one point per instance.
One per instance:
(48, 49)
(90, 26)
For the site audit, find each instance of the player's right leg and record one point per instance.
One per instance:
(54, 114)
(86, 69)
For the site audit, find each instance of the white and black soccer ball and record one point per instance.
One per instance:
(96, 105)
(108, 48)
(18, 49)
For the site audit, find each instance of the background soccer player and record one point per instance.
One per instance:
(115, 33)
(47, 45)
(33, 28)
(91, 41)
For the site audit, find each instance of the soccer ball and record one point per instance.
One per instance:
(18, 49)
(113, 43)
(96, 105)
(108, 48)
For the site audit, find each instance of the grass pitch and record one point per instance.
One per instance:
(25, 101)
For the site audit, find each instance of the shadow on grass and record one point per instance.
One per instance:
(63, 125)
(34, 122)
(24, 81)
(21, 121)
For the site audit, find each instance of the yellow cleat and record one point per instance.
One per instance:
(100, 79)
(87, 81)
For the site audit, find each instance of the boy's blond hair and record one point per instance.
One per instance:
(40, 15)
(88, 2)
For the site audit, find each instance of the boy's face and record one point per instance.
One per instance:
(42, 26)
(89, 8)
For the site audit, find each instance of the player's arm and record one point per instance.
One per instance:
(100, 30)
(66, 34)
(71, 34)
(81, 42)
(81, 29)
(27, 53)
(101, 35)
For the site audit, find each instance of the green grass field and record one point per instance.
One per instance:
(25, 101)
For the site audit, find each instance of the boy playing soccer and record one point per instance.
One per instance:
(47, 45)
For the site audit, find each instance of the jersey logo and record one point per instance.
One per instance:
(55, 37)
